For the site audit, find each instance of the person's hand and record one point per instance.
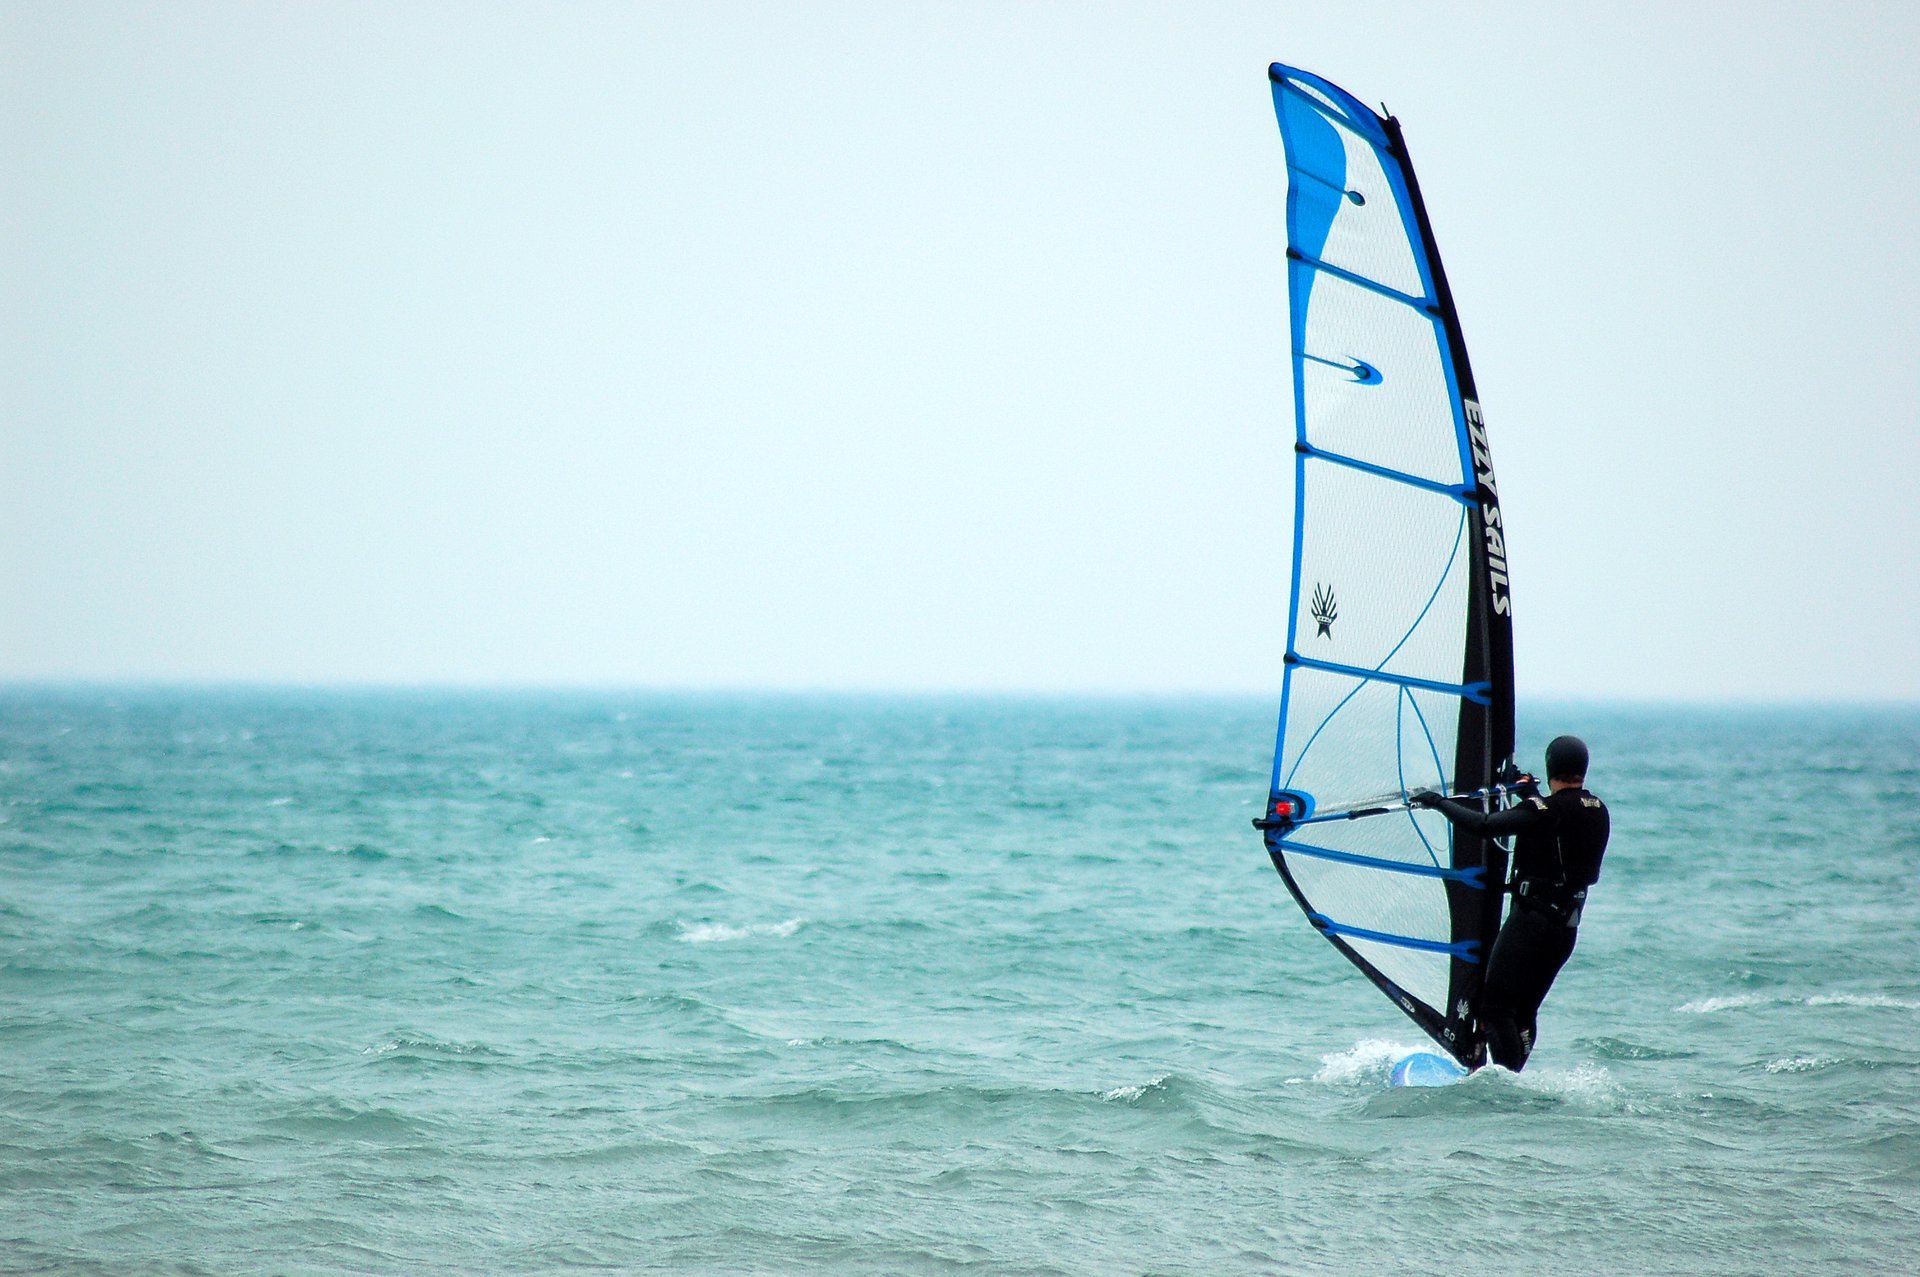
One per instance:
(1424, 798)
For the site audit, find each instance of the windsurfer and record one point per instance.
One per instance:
(1558, 843)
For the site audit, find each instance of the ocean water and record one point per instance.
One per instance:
(402, 983)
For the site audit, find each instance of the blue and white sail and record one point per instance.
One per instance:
(1398, 671)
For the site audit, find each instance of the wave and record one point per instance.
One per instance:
(1158, 1087)
(869, 1045)
(1733, 1002)
(1802, 1064)
(968, 1102)
(720, 932)
(1708, 1006)
(1863, 1000)
(421, 1047)
(1588, 1083)
(1624, 1049)
(341, 1119)
(682, 1013)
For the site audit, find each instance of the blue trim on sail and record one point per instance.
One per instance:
(1439, 769)
(1425, 305)
(1274, 787)
(1459, 535)
(1354, 113)
(1478, 693)
(1473, 877)
(1364, 373)
(1406, 699)
(1401, 701)
(1465, 950)
(1339, 188)
(1313, 145)
(1466, 496)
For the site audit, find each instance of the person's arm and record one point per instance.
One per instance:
(1497, 824)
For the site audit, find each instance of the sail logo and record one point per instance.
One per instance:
(1325, 612)
(1496, 540)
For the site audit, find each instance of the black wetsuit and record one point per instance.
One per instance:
(1558, 843)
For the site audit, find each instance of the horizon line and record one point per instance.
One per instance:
(15, 684)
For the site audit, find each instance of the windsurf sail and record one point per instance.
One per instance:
(1398, 672)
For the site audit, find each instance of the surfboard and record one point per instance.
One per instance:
(1424, 1068)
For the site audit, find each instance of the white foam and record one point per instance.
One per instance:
(1128, 1094)
(1364, 1061)
(718, 932)
(1589, 1082)
(1862, 1000)
(1800, 1064)
(1707, 1006)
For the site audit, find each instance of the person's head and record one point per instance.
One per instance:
(1567, 760)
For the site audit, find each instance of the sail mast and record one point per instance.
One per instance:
(1487, 731)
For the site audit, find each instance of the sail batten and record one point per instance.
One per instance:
(1457, 491)
(1424, 305)
(1472, 876)
(1398, 666)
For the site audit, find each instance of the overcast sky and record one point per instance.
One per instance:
(924, 346)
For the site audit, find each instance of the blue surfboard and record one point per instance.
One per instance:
(1424, 1068)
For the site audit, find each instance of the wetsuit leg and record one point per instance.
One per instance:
(1527, 955)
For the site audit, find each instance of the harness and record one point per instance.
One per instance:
(1555, 897)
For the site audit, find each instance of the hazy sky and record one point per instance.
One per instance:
(924, 346)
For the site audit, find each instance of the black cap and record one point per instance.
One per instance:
(1567, 758)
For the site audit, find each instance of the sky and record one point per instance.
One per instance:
(924, 347)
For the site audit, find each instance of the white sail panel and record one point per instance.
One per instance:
(1384, 570)
(1354, 742)
(1374, 384)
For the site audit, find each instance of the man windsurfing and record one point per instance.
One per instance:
(1558, 843)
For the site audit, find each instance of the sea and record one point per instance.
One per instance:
(385, 982)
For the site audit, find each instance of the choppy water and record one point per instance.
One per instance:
(526, 984)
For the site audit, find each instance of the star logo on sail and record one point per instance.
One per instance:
(1325, 611)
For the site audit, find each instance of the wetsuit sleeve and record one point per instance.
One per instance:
(1496, 824)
